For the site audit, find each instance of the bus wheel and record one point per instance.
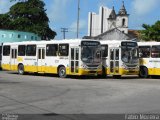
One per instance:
(117, 76)
(143, 73)
(62, 72)
(20, 69)
(103, 72)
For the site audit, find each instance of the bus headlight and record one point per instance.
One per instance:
(99, 67)
(124, 66)
(84, 66)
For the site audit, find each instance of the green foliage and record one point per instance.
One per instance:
(151, 32)
(29, 16)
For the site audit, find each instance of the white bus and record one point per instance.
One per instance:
(119, 57)
(62, 57)
(149, 53)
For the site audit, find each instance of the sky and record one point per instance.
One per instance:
(63, 13)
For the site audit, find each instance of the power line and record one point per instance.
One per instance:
(64, 30)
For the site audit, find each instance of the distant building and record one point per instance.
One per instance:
(109, 25)
(17, 36)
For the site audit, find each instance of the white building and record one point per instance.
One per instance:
(106, 20)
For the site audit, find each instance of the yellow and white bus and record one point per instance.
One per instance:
(149, 53)
(120, 57)
(62, 57)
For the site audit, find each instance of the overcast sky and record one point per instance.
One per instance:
(63, 13)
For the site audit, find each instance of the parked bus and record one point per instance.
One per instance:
(0, 53)
(119, 57)
(62, 57)
(149, 53)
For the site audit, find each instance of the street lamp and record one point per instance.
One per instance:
(78, 19)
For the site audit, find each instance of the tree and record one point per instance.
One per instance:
(151, 32)
(29, 16)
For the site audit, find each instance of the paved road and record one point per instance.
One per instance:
(49, 94)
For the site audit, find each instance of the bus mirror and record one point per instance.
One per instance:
(140, 55)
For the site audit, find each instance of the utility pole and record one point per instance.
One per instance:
(78, 19)
(64, 30)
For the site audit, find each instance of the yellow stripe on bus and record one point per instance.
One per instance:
(51, 69)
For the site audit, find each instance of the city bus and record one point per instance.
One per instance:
(119, 58)
(149, 54)
(62, 57)
(0, 54)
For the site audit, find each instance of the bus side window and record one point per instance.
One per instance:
(155, 52)
(144, 51)
(63, 49)
(51, 49)
(0, 52)
(31, 50)
(6, 50)
(21, 50)
(104, 50)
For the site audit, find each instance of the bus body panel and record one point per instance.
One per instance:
(151, 62)
(110, 63)
(41, 63)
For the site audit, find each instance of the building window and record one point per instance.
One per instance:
(25, 37)
(31, 37)
(4, 35)
(123, 22)
(19, 36)
(10, 35)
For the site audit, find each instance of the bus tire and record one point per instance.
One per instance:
(117, 76)
(62, 72)
(143, 73)
(103, 72)
(21, 69)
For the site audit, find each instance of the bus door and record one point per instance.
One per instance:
(13, 65)
(114, 60)
(41, 60)
(74, 60)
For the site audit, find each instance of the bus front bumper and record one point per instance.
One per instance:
(90, 72)
(133, 71)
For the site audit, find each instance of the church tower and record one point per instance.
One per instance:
(112, 19)
(122, 19)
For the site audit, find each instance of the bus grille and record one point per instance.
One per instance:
(131, 66)
(93, 66)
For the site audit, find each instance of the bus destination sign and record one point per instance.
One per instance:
(90, 43)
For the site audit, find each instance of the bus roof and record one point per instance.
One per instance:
(115, 43)
(150, 43)
(72, 41)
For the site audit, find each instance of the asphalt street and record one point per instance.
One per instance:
(46, 94)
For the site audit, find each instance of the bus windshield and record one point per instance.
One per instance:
(91, 52)
(129, 52)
